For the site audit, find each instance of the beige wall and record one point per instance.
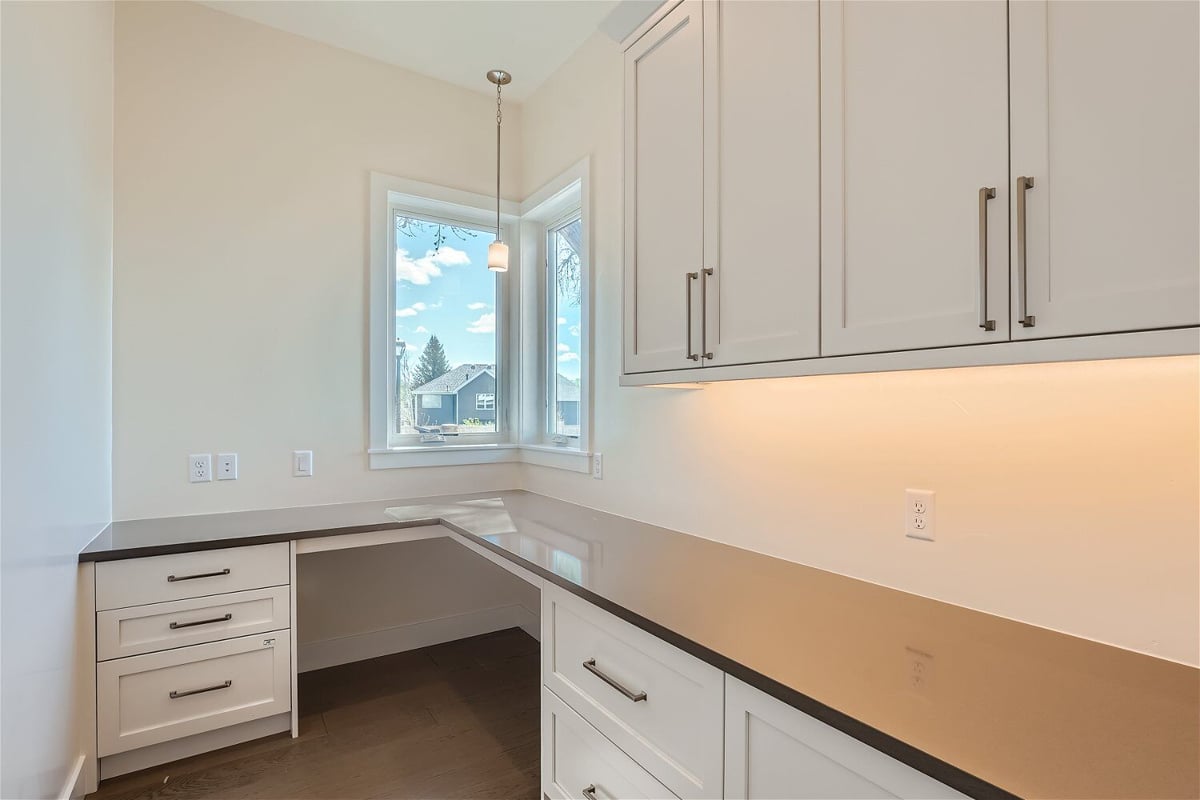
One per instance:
(56, 125)
(242, 167)
(1066, 494)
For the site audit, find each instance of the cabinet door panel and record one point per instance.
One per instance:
(664, 190)
(763, 299)
(914, 123)
(1106, 120)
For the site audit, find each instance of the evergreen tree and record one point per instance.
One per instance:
(433, 363)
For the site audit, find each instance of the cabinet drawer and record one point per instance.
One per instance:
(147, 699)
(156, 579)
(774, 750)
(675, 732)
(576, 757)
(134, 630)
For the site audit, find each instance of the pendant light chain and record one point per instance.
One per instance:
(499, 118)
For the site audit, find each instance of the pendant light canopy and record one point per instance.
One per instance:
(498, 250)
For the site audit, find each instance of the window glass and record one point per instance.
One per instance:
(445, 315)
(564, 274)
(485, 402)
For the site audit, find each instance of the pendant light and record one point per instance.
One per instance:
(498, 250)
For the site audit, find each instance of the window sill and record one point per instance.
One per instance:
(465, 454)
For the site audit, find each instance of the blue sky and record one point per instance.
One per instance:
(451, 293)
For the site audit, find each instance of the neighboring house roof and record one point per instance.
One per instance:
(568, 390)
(456, 379)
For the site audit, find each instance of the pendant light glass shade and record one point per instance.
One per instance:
(498, 256)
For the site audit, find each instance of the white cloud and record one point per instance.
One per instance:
(569, 357)
(418, 306)
(562, 320)
(476, 306)
(414, 309)
(405, 312)
(421, 271)
(574, 330)
(563, 348)
(485, 324)
(421, 329)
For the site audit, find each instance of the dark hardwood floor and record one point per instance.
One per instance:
(457, 720)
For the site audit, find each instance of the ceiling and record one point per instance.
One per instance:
(454, 40)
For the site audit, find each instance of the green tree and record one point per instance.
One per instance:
(433, 363)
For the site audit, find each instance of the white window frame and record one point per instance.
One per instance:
(491, 402)
(389, 195)
(563, 197)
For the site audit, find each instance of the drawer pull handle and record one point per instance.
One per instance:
(177, 625)
(177, 695)
(173, 579)
(590, 792)
(590, 666)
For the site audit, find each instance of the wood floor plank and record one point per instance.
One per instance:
(458, 720)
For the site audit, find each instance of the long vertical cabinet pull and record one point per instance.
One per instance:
(687, 291)
(985, 194)
(704, 313)
(1026, 319)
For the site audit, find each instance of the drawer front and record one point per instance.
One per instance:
(144, 700)
(676, 731)
(774, 750)
(135, 630)
(575, 757)
(157, 579)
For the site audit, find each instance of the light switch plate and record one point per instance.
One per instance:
(227, 466)
(302, 463)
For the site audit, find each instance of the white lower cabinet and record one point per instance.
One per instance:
(153, 698)
(655, 702)
(773, 750)
(578, 762)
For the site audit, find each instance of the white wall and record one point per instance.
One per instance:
(55, 350)
(403, 593)
(1067, 495)
(242, 168)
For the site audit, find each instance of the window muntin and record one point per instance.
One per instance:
(485, 402)
(564, 281)
(445, 309)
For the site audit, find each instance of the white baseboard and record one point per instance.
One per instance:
(73, 787)
(372, 644)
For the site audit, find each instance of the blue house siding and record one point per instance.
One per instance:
(483, 383)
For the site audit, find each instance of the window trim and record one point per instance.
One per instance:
(387, 194)
(491, 404)
(556, 202)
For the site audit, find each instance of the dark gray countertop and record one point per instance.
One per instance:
(1034, 712)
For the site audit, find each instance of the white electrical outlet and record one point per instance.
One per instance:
(919, 514)
(227, 466)
(597, 466)
(918, 671)
(302, 463)
(200, 467)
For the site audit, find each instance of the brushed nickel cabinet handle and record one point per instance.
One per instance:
(190, 692)
(589, 792)
(590, 666)
(985, 194)
(1023, 316)
(173, 578)
(704, 313)
(687, 292)
(178, 625)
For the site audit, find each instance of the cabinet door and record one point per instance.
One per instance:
(763, 296)
(773, 750)
(664, 192)
(914, 122)
(1106, 120)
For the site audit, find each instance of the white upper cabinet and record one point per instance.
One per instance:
(664, 192)
(914, 123)
(763, 296)
(1106, 123)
